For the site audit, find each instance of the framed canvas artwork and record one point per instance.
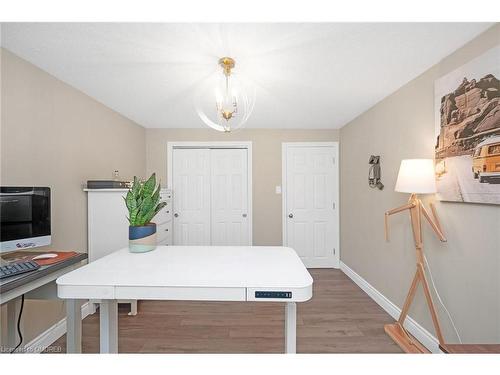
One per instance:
(467, 123)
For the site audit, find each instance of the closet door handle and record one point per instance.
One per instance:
(244, 215)
(290, 216)
(176, 215)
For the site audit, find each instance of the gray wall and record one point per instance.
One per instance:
(466, 269)
(54, 135)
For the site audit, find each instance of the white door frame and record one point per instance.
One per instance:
(284, 149)
(220, 144)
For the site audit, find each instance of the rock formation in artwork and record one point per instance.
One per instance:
(468, 115)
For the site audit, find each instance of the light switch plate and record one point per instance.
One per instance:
(278, 189)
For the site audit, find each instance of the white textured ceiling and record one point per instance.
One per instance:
(307, 75)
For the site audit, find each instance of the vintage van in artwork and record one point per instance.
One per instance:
(486, 160)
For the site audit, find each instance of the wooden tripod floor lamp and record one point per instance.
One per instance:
(416, 176)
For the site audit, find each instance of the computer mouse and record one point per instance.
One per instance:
(45, 256)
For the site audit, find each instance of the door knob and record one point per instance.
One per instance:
(290, 216)
(244, 215)
(176, 215)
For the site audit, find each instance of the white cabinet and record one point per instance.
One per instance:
(164, 220)
(108, 224)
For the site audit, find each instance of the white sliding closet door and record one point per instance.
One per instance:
(210, 196)
(191, 187)
(229, 185)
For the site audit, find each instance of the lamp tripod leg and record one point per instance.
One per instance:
(430, 303)
(406, 306)
(398, 332)
(409, 298)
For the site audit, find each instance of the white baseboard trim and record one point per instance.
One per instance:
(46, 338)
(420, 333)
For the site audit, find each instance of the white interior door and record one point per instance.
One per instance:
(229, 186)
(311, 191)
(191, 192)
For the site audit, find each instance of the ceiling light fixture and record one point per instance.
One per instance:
(234, 99)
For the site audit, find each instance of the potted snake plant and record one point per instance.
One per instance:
(143, 203)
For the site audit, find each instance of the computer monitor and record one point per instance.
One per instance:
(24, 217)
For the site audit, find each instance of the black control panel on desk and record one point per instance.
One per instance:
(272, 294)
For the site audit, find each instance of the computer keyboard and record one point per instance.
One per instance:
(15, 269)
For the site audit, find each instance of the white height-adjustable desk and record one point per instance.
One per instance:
(193, 273)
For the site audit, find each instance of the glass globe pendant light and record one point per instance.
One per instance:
(225, 101)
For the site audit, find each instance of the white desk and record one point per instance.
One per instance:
(195, 273)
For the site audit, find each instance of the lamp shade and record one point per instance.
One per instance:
(416, 176)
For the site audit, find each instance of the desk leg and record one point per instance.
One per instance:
(13, 307)
(291, 327)
(73, 326)
(133, 308)
(108, 312)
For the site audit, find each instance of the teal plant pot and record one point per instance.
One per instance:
(142, 239)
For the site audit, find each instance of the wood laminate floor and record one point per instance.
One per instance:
(340, 318)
